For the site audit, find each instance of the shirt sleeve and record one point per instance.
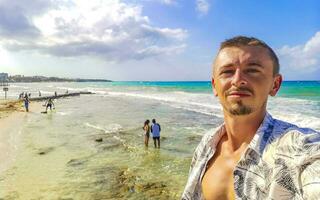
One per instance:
(310, 180)
(310, 169)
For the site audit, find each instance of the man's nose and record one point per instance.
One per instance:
(238, 79)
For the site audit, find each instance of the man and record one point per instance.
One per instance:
(26, 102)
(252, 155)
(49, 104)
(155, 130)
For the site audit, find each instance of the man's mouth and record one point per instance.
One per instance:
(239, 94)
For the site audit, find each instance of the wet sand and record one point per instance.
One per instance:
(12, 115)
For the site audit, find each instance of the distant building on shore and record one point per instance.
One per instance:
(4, 77)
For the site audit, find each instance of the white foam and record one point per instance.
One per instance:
(178, 99)
(110, 128)
(63, 113)
(302, 112)
(299, 119)
(19, 86)
(118, 138)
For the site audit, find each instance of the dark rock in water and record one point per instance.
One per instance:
(117, 182)
(44, 151)
(111, 146)
(99, 140)
(75, 162)
(194, 138)
(129, 183)
(163, 138)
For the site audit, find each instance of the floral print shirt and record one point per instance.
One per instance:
(281, 162)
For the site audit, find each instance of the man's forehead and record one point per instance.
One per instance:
(242, 53)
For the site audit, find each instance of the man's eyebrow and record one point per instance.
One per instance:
(249, 63)
(254, 63)
(226, 65)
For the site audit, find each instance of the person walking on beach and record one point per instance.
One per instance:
(252, 155)
(49, 104)
(155, 130)
(26, 102)
(21, 95)
(146, 128)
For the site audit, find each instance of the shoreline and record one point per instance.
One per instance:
(12, 115)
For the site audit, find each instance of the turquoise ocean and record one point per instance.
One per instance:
(57, 155)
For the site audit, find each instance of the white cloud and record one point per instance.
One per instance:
(202, 6)
(168, 2)
(305, 57)
(112, 30)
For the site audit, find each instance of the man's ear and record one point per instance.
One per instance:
(214, 88)
(276, 85)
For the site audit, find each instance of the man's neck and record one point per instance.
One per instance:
(241, 129)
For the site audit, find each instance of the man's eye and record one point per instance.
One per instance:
(252, 70)
(227, 72)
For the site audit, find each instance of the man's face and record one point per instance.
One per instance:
(243, 78)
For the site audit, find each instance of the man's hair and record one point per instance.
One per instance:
(153, 120)
(240, 41)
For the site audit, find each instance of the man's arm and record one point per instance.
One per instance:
(159, 127)
(310, 167)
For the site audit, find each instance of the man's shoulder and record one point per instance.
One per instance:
(301, 135)
(289, 128)
(156, 124)
(293, 135)
(275, 133)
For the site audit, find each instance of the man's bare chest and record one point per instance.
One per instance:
(217, 182)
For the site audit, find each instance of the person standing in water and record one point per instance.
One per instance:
(146, 129)
(49, 104)
(155, 130)
(26, 102)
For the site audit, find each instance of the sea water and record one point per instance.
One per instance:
(58, 156)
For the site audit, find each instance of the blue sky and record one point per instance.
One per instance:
(152, 39)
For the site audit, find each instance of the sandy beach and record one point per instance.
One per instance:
(12, 115)
(7, 107)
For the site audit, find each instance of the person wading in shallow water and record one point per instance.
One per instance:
(155, 130)
(49, 104)
(26, 102)
(146, 128)
(252, 155)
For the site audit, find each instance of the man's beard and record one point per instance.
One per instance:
(240, 109)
